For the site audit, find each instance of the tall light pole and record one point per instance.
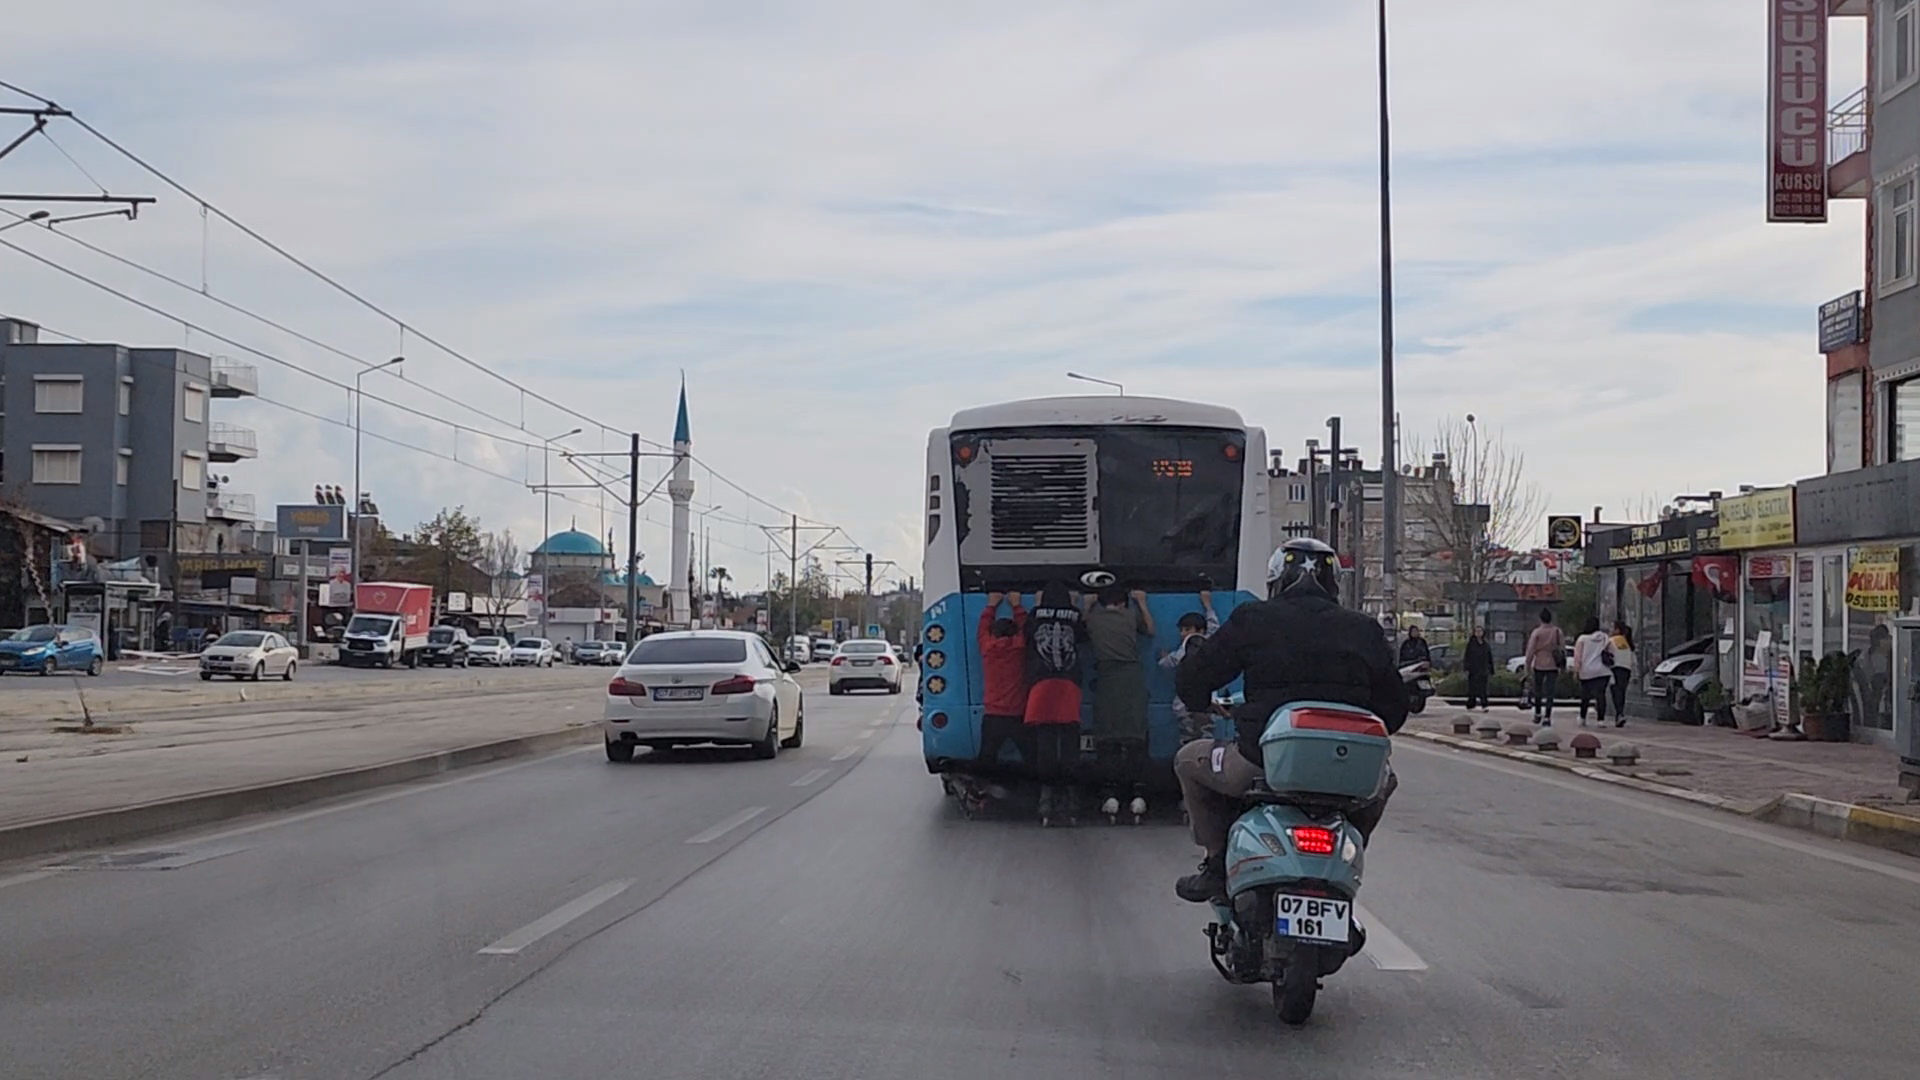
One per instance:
(1103, 382)
(37, 215)
(706, 556)
(1389, 433)
(546, 528)
(353, 507)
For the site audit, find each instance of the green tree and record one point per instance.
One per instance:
(448, 549)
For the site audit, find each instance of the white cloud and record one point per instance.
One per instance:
(845, 219)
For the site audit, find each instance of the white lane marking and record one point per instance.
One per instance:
(721, 829)
(1653, 804)
(802, 782)
(22, 879)
(555, 919)
(1385, 948)
(868, 734)
(846, 752)
(403, 792)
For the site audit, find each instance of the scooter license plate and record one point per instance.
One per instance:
(1314, 918)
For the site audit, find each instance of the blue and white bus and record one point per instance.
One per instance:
(1167, 496)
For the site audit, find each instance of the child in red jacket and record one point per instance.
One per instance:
(1003, 650)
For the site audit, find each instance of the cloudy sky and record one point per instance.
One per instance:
(846, 219)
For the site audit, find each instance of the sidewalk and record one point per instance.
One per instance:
(1841, 789)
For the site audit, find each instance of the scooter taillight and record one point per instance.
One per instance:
(1312, 839)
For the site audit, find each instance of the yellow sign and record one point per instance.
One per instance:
(1761, 519)
(1873, 579)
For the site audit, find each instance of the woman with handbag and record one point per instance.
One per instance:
(1593, 666)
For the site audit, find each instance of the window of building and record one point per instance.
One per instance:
(1903, 420)
(56, 464)
(58, 393)
(192, 471)
(126, 394)
(1896, 233)
(196, 408)
(1296, 493)
(122, 467)
(1902, 61)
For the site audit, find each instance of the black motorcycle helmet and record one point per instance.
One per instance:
(1305, 564)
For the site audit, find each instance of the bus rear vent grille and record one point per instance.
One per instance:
(1041, 502)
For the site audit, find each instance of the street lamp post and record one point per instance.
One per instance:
(706, 557)
(37, 215)
(546, 529)
(353, 508)
(1389, 433)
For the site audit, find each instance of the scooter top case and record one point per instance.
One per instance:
(1325, 751)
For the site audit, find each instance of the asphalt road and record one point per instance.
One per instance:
(828, 915)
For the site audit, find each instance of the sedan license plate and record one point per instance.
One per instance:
(863, 663)
(1314, 918)
(678, 693)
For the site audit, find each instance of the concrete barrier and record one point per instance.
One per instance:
(97, 828)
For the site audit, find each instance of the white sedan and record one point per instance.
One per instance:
(249, 654)
(864, 663)
(531, 652)
(704, 686)
(492, 651)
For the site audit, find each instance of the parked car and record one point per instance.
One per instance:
(249, 654)
(864, 663)
(823, 648)
(799, 648)
(1673, 686)
(1517, 665)
(491, 651)
(598, 653)
(532, 652)
(44, 650)
(447, 646)
(704, 686)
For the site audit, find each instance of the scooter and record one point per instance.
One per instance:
(1418, 678)
(1294, 861)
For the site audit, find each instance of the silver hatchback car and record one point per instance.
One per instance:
(704, 686)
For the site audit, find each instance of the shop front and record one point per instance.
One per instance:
(1859, 566)
(1667, 581)
(1757, 543)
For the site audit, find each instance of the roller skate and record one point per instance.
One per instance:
(1111, 808)
(1049, 808)
(1138, 808)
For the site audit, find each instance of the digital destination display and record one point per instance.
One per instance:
(1173, 468)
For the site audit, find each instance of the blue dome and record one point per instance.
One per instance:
(571, 542)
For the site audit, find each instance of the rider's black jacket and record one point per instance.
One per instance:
(1301, 646)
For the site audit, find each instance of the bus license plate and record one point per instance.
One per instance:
(1314, 918)
(679, 693)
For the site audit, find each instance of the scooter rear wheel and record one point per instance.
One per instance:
(1294, 991)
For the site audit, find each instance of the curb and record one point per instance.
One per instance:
(1846, 821)
(1579, 767)
(101, 827)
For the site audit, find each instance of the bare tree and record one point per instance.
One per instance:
(500, 561)
(1481, 503)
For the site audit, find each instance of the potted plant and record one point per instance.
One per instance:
(1825, 696)
(1715, 704)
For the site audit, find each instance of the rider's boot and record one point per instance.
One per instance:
(1209, 884)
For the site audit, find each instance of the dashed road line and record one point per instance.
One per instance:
(846, 752)
(804, 781)
(709, 835)
(553, 920)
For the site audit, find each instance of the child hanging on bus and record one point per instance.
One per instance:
(1003, 657)
(1116, 622)
(1055, 631)
(1195, 627)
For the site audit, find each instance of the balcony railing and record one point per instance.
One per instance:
(230, 505)
(231, 442)
(1847, 127)
(232, 378)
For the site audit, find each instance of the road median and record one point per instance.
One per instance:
(123, 823)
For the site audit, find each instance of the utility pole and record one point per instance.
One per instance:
(794, 554)
(633, 536)
(1389, 433)
(1333, 483)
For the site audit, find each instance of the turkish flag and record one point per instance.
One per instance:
(1719, 574)
(1650, 582)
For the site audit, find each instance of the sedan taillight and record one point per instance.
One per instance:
(622, 687)
(838, 660)
(886, 661)
(739, 684)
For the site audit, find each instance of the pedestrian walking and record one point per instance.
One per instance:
(1546, 655)
(1478, 664)
(1622, 670)
(1593, 666)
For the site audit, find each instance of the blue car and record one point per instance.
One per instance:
(44, 650)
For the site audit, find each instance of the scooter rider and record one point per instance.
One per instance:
(1298, 645)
